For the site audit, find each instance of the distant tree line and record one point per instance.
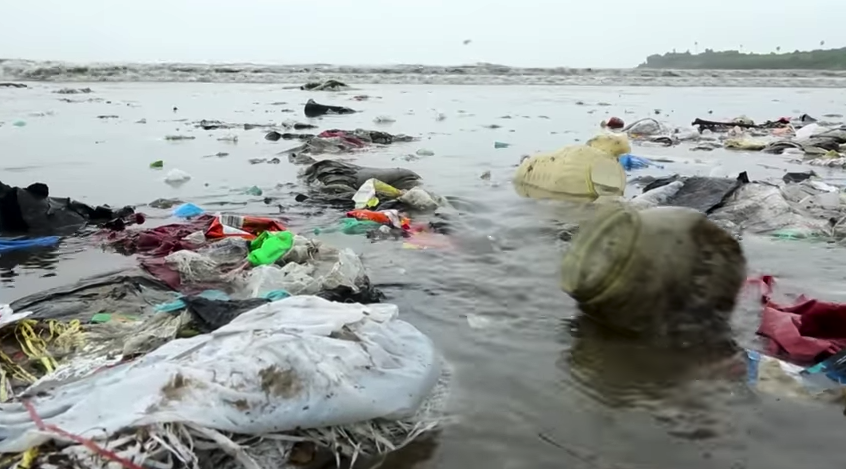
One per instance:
(830, 59)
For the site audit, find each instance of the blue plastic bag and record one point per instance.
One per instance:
(187, 211)
(630, 162)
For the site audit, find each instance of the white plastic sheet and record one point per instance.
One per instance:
(7, 316)
(657, 196)
(809, 131)
(302, 362)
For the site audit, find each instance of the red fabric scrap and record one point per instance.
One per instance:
(355, 141)
(160, 241)
(805, 332)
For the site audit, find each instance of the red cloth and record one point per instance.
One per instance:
(352, 140)
(806, 332)
(160, 241)
(158, 268)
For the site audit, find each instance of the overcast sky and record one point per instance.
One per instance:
(578, 33)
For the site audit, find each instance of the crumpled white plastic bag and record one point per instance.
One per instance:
(308, 279)
(301, 362)
(177, 176)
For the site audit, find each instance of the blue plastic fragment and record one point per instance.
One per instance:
(187, 211)
(7, 245)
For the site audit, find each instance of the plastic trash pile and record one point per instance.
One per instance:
(379, 202)
(808, 208)
(241, 345)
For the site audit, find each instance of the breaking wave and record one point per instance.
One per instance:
(479, 74)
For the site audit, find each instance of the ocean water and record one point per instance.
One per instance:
(409, 74)
(527, 392)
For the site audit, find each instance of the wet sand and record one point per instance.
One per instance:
(519, 403)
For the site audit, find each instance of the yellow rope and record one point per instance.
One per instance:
(33, 345)
(28, 458)
(34, 340)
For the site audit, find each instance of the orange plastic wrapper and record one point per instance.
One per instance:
(387, 217)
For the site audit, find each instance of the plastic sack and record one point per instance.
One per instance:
(580, 172)
(418, 199)
(297, 363)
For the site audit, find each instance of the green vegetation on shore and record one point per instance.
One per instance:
(830, 59)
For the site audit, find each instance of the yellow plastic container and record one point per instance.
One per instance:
(654, 271)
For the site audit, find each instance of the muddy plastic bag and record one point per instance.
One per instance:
(700, 193)
(298, 363)
(763, 208)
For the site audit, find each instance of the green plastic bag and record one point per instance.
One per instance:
(269, 247)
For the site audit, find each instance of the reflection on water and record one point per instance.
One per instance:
(692, 394)
(38, 258)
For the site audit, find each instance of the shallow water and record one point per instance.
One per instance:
(492, 301)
